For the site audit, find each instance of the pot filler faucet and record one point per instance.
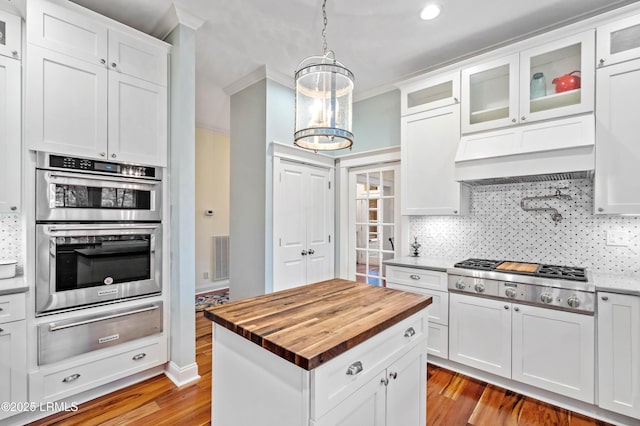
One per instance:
(555, 216)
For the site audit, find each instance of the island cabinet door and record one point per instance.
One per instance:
(406, 390)
(364, 407)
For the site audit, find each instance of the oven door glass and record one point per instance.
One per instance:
(83, 264)
(67, 196)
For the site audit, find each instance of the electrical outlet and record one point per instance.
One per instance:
(617, 238)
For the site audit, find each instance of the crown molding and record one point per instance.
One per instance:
(176, 15)
(257, 75)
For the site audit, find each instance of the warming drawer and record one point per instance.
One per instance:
(63, 339)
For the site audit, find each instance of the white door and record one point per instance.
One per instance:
(137, 58)
(480, 333)
(137, 120)
(303, 225)
(66, 105)
(10, 140)
(13, 363)
(373, 221)
(406, 392)
(618, 353)
(554, 350)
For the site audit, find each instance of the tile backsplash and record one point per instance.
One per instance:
(498, 228)
(11, 238)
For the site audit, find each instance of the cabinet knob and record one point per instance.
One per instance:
(103, 154)
(605, 298)
(384, 381)
(114, 65)
(13, 208)
(1, 330)
(455, 212)
(414, 277)
(14, 53)
(513, 120)
(311, 251)
(516, 309)
(393, 375)
(506, 307)
(303, 252)
(71, 378)
(523, 118)
(139, 356)
(355, 368)
(103, 61)
(113, 155)
(455, 100)
(600, 209)
(601, 62)
(409, 332)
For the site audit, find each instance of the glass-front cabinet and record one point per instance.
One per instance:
(10, 35)
(618, 41)
(548, 81)
(490, 95)
(435, 92)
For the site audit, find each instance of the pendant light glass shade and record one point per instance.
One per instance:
(324, 96)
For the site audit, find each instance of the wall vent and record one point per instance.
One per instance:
(220, 257)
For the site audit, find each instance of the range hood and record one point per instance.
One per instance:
(550, 150)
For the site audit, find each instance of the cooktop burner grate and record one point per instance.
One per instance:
(547, 271)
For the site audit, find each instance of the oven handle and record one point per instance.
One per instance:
(53, 327)
(103, 228)
(102, 178)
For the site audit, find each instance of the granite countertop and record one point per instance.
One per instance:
(13, 285)
(311, 324)
(616, 283)
(430, 263)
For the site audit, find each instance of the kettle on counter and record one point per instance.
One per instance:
(567, 82)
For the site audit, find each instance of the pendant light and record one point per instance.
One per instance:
(324, 92)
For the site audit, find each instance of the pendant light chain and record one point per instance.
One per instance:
(324, 28)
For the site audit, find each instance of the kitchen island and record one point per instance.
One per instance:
(335, 352)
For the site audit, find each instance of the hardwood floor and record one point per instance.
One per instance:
(452, 400)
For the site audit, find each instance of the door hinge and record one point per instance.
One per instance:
(280, 241)
(329, 238)
(329, 185)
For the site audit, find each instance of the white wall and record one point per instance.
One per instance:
(212, 193)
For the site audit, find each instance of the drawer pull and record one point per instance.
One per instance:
(414, 277)
(71, 378)
(605, 298)
(1, 330)
(354, 368)
(139, 356)
(409, 332)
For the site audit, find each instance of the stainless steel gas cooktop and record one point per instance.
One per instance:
(558, 287)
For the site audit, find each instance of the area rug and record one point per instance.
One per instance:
(213, 298)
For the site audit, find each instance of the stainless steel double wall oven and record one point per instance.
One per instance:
(98, 232)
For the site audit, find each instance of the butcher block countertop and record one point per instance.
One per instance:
(311, 324)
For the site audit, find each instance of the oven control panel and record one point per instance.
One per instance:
(84, 164)
(538, 295)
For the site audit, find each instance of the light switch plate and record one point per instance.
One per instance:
(617, 238)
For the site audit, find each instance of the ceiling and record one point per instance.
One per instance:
(382, 42)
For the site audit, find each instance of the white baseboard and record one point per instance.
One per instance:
(181, 376)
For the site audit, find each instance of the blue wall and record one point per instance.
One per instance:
(376, 122)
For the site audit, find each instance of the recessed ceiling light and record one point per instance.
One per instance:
(430, 12)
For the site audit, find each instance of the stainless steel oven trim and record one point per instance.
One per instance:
(48, 300)
(46, 198)
(57, 326)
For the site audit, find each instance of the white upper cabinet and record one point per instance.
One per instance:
(431, 93)
(617, 179)
(548, 81)
(10, 135)
(10, 35)
(94, 90)
(618, 41)
(490, 95)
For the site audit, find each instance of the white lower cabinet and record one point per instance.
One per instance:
(619, 353)
(433, 284)
(546, 348)
(393, 397)
(13, 351)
